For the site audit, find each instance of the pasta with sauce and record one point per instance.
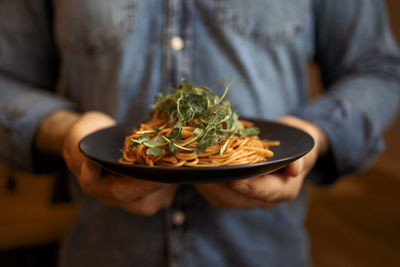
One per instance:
(193, 127)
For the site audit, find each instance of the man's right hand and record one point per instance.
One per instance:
(135, 196)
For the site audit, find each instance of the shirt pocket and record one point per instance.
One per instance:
(93, 26)
(266, 21)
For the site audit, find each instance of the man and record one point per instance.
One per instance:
(108, 59)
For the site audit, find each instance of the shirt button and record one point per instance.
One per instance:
(178, 217)
(176, 43)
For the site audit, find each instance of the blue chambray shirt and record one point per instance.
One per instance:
(115, 56)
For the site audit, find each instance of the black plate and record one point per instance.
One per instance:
(104, 147)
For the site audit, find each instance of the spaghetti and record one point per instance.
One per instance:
(209, 136)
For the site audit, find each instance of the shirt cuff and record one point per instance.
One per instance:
(349, 133)
(20, 117)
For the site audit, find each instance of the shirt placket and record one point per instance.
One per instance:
(177, 66)
(177, 41)
(179, 221)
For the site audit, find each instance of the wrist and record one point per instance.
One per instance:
(320, 138)
(53, 130)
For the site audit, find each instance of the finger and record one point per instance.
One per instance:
(250, 186)
(273, 187)
(152, 203)
(221, 195)
(92, 183)
(295, 168)
(90, 173)
(111, 187)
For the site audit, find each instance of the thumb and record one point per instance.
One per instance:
(90, 172)
(295, 168)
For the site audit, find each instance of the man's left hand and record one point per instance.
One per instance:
(267, 191)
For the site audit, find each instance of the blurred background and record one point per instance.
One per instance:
(355, 222)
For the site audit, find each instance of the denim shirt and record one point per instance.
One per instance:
(115, 56)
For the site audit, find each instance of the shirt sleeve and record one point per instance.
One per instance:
(28, 74)
(360, 69)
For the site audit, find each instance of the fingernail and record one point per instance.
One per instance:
(242, 188)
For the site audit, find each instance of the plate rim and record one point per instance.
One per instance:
(183, 169)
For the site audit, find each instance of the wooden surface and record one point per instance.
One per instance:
(27, 216)
(356, 222)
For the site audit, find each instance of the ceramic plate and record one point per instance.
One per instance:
(104, 147)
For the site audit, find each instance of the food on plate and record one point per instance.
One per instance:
(193, 127)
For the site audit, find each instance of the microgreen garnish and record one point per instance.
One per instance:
(193, 105)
